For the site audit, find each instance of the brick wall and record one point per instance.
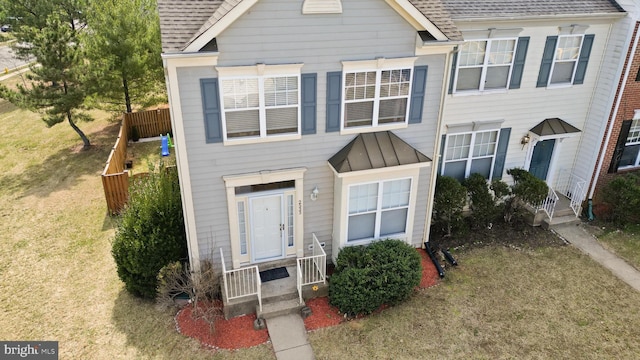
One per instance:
(629, 102)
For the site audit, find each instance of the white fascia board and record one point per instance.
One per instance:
(228, 19)
(376, 172)
(176, 60)
(416, 18)
(177, 123)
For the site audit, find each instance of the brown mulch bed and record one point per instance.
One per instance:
(238, 332)
(517, 235)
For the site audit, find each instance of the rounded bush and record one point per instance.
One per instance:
(150, 233)
(384, 272)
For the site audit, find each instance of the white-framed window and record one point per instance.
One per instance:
(376, 93)
(378, 209)
(565, 59)
(631, 153)
(485, 64)
(260, 102)
(470, 152)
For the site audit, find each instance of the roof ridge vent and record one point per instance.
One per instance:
(322, 7)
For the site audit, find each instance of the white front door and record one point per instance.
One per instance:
(267, 227)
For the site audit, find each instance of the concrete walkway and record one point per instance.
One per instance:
(580, 238)
(289, 338)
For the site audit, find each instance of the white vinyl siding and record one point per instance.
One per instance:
(378, 209)
(565, 60)
(468, 153)
(485, 65)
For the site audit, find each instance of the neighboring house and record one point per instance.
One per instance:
(620, 149)
(296, 120)
(530, 88)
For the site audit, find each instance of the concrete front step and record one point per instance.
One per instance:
(560, 220)
(284, 307)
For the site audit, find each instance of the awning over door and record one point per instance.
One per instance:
(374, 151)
(554, 126)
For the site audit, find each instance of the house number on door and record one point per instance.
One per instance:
(299, 207)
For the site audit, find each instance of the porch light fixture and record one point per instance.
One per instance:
(314, 194)
(525, 140)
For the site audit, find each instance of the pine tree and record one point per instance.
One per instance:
(123, 47)
(47, 31)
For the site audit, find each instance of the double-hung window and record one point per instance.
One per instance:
(378, 209)
(376, 93)
(470, 152)
(566, 59)
(485, 64)
(631, 153)
(260, 101)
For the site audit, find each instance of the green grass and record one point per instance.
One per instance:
(145, 153)
(56, 270)
(625, 244)
(501, 303)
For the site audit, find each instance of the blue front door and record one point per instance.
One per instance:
(541, 158)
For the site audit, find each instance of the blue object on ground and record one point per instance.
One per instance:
(165, 145)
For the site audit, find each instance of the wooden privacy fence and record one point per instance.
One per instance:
(115, 180)
(148, 123)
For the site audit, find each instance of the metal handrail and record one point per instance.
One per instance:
(548, 205)
(241, 282)
(312, 269)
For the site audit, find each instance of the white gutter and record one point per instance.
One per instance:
(436, 159)
(603, 151)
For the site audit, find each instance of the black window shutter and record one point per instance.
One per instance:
(454, 63)
(334, 100)
(501, 153)
(441, 157)
(583, 60)
(547, 61)
(211, 109)
(518, 62)
(622, 140)
(308, 111)
(417, 94)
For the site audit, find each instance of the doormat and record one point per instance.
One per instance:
(274, 274)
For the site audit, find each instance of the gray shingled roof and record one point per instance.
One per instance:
(375, 151)
(476, 9)
(435, 11)
(181, 22)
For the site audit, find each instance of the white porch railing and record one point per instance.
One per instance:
(574, 188)
(241, 282)
(548, 205)
(312, 269)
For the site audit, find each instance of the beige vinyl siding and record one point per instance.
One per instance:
(523, 108)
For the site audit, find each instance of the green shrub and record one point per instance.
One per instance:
(526, 189)
(150, 233)
(448, 202)
(483, 206)
(623, 195)
(384, 272)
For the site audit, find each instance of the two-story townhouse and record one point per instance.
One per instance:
(522, 91)
(619, 152)
(297, 120)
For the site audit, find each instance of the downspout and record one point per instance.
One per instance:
(614, 115)
(439, 128)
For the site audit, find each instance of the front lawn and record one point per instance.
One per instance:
(553, 302)
(625, 244)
